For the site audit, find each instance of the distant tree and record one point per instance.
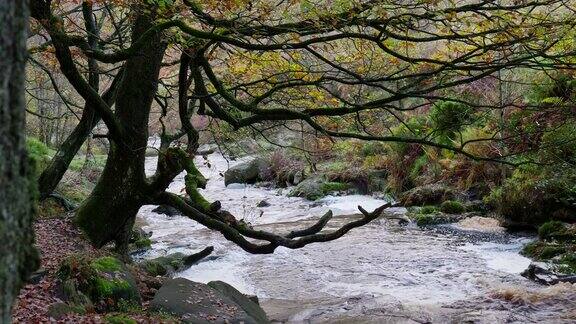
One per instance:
(17, 254)
(259, 64)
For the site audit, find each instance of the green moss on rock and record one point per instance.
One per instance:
(105, 281)
(452, 207)
(119, 319)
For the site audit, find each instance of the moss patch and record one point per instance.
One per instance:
(452, 207)
(119, 319)
(105, 281)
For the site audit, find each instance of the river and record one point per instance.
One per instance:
(383, 272)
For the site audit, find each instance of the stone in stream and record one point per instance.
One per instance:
(544, 273)
(245, 172)
(263, 203)
(167, 210)
(199, 303)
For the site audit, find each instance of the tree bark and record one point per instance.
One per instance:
(109, 212)
(52, 175)
(17, 254)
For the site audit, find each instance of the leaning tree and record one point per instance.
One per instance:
(344, 69)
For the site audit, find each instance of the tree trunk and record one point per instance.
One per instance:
(52, 175)
(17, 254)
(109, 212)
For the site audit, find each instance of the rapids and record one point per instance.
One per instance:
(380, 273)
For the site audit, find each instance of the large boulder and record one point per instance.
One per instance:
(104, 283)
(199, 303)
(316, 188)
(245, 172)
(246, 303)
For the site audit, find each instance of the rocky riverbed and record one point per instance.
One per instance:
(382, 272)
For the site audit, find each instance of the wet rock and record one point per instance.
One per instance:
(316, 188)
(433, 194)
(247, 303)
(236, 186)
(206, 149)
(105, 281)
(167, 210)
(310, 189)
(199, 303)
(263, 203)
(544, 273)
(245, 172)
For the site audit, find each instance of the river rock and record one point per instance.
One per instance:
(199, 303)
(206, 149)
(248, 303)
(544, 273)
(263, 203)
(167, 210)
(245, 172)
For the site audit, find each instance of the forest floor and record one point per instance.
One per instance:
(56, 239)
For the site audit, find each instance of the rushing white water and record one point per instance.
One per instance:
(381, 272)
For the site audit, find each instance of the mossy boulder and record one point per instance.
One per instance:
(434, 194)
(557, 231)
(432, 215)
(452, 207)
(317, 187)
(104, 282)
(164, 265)
(541, 251)
(59, 310)
(119, 319)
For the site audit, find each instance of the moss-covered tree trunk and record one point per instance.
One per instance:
(52, 175)
(17, 255)
(109, 212)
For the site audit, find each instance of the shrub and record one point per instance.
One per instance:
(529, 198)
(426, 210)
(559, 144)
(552, 230)
(540, 250)
(371, 148)
(452, 207)
(449, 117)
(329, 187)
(39, 154)
(282, 167)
